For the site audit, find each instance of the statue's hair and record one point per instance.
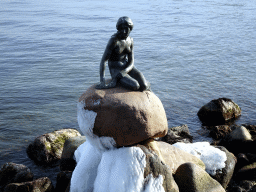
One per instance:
(124, 20)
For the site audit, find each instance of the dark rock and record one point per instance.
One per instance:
(219, 132)
(14, 173)
(224, 175)
(251, 157)
(67, 163)
(244, 185)
(238, 141)
(242, 161)
(251, 129)
(247, 172)
(219, 111)
(178, 134)
(247, 185)
(253, 189)
(191, 178)
(43, 184)
(63, 180)
(156, 167)
(47, 149)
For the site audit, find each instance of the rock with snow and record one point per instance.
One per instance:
(218, 111)
(192, 178)
(213, 158)
(174, 157)
(47, 148)
(224, 175)
(128, 117)
(14, 173)
(156, 168)
(43, 184)
(136, 168)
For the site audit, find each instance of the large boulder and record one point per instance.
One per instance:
(14, 173)
(192, 178)
(128, 117)
(174, 157)
(43, 184)
(219, 111)
(47, 148)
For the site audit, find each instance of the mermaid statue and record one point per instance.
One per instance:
(120, 56)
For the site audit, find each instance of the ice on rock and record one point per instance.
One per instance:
(88, 158)
(121, 170)
(154, 184)
(86, 120)
(103, 167)
(213, 158)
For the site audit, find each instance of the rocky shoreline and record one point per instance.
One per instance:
(237, 141)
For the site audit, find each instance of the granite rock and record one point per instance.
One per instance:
(128, 117)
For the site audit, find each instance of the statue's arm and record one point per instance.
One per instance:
(105, 57)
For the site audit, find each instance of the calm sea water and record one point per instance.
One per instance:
(190, 51)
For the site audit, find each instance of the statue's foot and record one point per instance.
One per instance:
(147, 87)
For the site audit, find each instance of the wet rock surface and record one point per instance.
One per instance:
(43, 184)
(14, 173)
(47, 149)
(219, 111)
(178, 134)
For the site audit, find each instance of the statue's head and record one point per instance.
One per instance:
(124, 26)
(125, 21)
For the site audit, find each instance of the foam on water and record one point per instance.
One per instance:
(213, 158)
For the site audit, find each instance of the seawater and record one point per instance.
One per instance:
(190, 51)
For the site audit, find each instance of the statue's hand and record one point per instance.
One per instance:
(112, 83)
(101, 85)
(120, 75)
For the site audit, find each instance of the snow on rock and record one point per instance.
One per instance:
(121, 170)
(88, 158)
(86, 120)
(103, 167)
(213, 158)
(115, 170)
(154, 184)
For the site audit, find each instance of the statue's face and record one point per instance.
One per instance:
(124, 31)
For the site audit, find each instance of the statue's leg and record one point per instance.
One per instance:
(130, 83)
(136, 74)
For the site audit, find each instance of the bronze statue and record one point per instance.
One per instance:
(120, 57)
